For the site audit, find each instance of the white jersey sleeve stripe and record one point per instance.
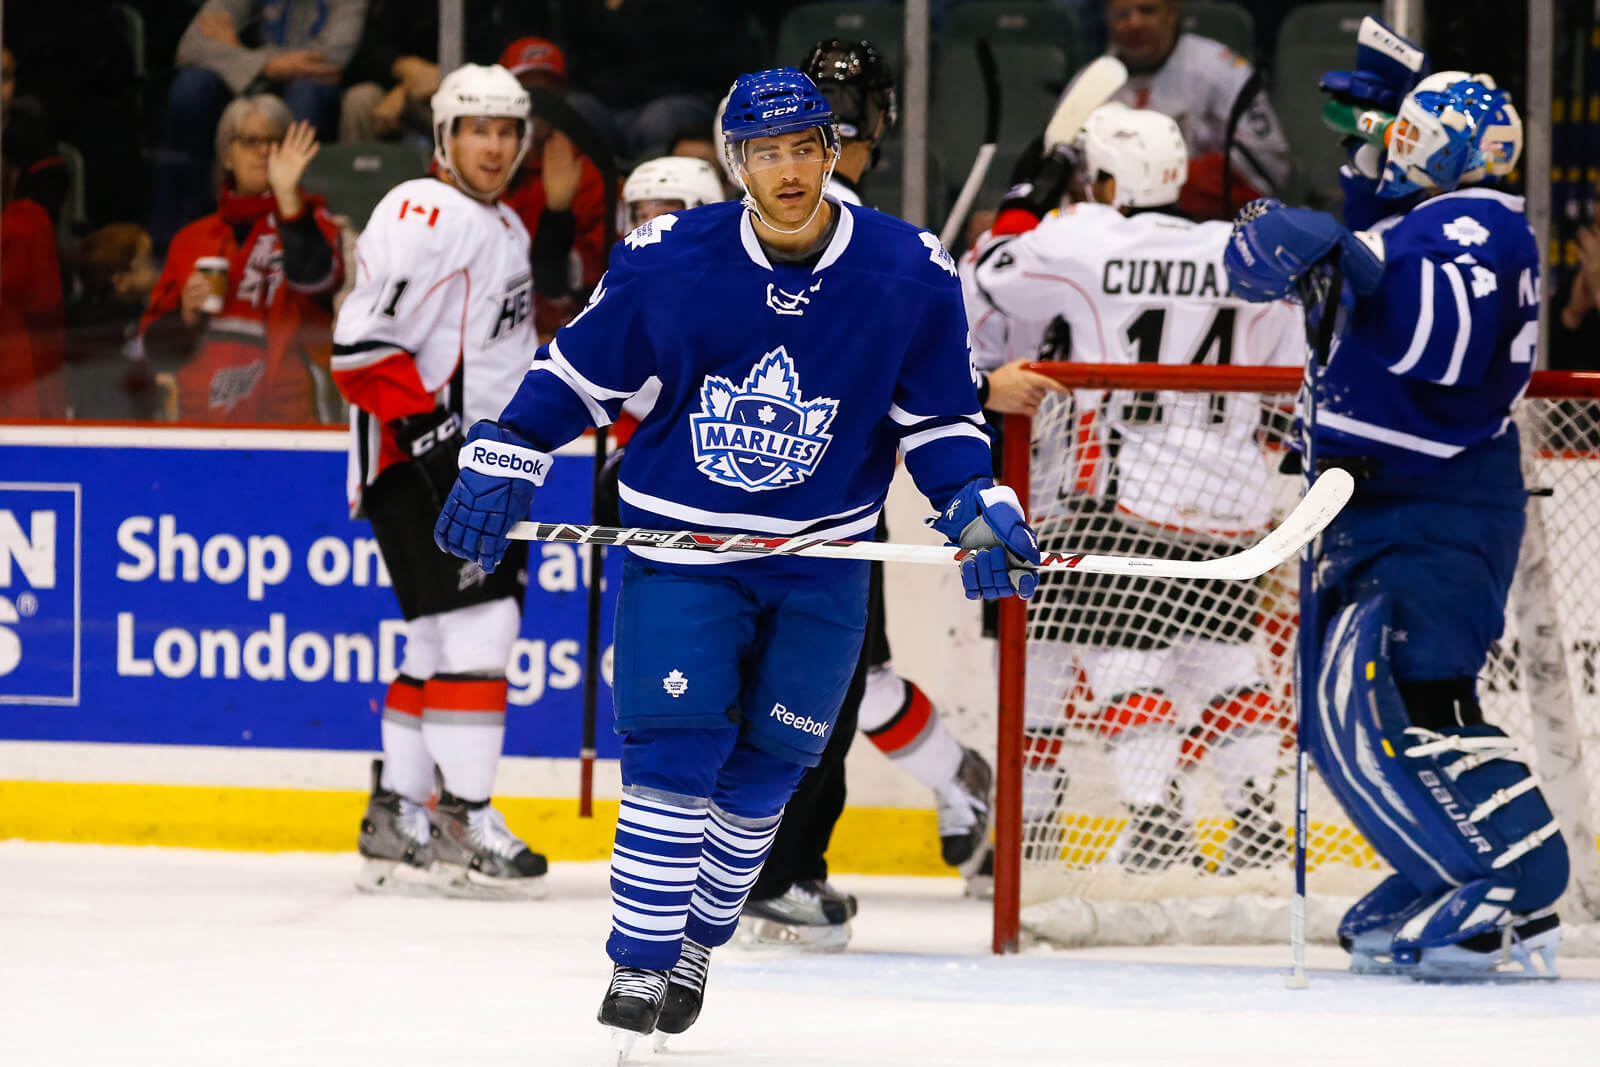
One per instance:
(1463, 324)
(737, 520)
(960, 429)
(1396, 438)
(1424, 330)
(596, 410)
(366, 357)
(905, 418)
(574, 378)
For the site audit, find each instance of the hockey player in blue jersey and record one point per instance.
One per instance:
(1434, 347)
(800, 345)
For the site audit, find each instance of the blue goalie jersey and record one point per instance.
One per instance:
(1429, 367)
(785, 390)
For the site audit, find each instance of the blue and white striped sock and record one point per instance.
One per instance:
(654, 865)
(735, 848)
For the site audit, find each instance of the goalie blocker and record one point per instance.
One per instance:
(1478, 856)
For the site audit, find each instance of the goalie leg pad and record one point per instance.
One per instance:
(1367, 929)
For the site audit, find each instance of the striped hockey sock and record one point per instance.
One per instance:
(735, 848)
(654, 864)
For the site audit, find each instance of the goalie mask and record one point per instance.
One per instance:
(1143, 150)
(1453, 129)
(471, 91)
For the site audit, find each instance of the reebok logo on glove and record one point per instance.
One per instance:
(504, 461)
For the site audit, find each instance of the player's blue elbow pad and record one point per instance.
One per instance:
(493, 492)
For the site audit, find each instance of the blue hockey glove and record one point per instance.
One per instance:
(1387, 68)
(986, 518)
(499, 471)
(1273, 247)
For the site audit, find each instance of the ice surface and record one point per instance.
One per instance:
(162, 957)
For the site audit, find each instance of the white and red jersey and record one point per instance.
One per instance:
(440, 316)
(1147, 288)
(1197, 86)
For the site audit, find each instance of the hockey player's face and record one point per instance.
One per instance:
(642, 211)
(483, 150)
(1142, 31)
(784, 174)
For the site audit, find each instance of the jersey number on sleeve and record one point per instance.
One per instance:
(1142, 337)
(396, 291)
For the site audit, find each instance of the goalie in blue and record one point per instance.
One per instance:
(800, 344)
(1434, 347)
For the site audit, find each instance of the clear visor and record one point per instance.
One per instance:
(767, 153)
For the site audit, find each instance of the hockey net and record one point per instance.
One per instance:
(1166, 815)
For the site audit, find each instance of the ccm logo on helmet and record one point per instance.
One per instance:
(775, 112)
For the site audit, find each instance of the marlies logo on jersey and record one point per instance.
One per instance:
(650, 233)
(761, 434)
(516, 304)
(937, 253)
(786, 303)
(1466, 230)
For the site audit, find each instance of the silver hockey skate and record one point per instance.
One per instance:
(477, 856)
(395, 843)
(800, 918)
(965, 813)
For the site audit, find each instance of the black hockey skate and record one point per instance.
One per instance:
(1157, 836)
(686, 989)
(964, 813)
(631, 1006)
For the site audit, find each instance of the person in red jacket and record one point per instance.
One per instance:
(240, 357)
(560, 196)
(31, 382)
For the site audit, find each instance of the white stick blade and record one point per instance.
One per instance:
(1094, 85)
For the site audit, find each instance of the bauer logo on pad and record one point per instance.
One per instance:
(40, 639)
(761, 434)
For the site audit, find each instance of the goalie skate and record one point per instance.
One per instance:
(395, 843)
(477, 856)
(1515, 953)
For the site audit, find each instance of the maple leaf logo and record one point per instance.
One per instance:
(1466, 230)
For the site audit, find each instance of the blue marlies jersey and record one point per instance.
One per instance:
(1428, 368)
(786, 391)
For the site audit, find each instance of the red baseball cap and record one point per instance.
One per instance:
(529, 55)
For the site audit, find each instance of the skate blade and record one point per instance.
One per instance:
(621, 1044)
(393, 878)
(757, 933)
(1533, 965)
(463, 883)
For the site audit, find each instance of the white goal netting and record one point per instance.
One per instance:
(1158, 745)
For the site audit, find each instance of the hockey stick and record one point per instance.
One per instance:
(1308, 637)
(1093, 86)
(591, 653)
(991, 138)
(1241, 104)
(1316, 509)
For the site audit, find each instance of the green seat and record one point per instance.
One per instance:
(1313, 40)
(1232, 24)
(880, 186)
(883, 24)
(132, 24)
(1036, 47)
(354, 177)
(74, 220)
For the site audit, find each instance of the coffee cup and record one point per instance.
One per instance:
(214, 269)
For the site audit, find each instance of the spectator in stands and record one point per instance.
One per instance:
(296, 48)
(1575, 336)
(31, 382)
(30, 146)
(395, 70)
(235, 347)
(107, 377)
(648, 68)
(1196, 80)
(698, 142)
(559, 194)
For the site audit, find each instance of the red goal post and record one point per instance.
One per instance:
(1070, 867)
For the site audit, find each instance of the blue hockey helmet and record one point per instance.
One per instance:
(772, 102)
(1453, 129)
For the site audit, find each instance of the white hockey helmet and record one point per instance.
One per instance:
(470, 91)
(694, 181)
(1143, 150)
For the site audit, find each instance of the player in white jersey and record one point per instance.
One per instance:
(437, 331)
(1169, 667)
(1196, 80)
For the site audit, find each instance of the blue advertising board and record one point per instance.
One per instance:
(209, 588)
